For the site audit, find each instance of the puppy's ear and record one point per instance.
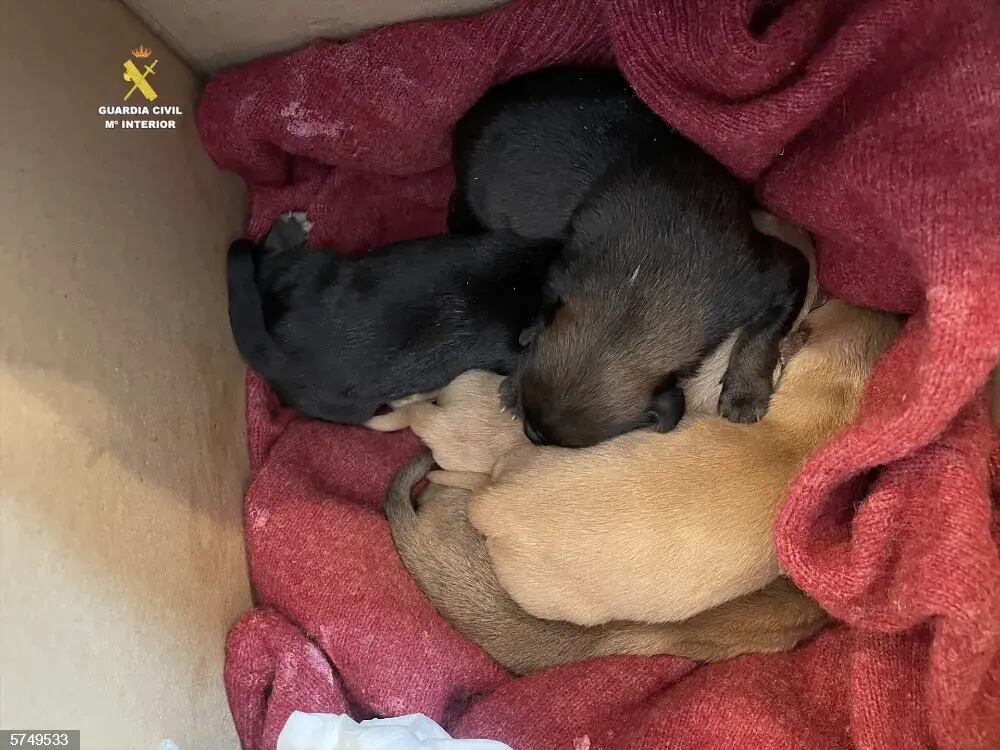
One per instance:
(667, 408)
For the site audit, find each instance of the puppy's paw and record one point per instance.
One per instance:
(745, 404)
(390, 422)
(290, 232)
(302, 220)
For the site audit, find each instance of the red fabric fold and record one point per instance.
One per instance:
(875, 124)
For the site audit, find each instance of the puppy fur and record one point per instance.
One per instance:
(693, 508)
(468, 429)
(449, 562)
(338, 339)
(465, 426)
(661, 262)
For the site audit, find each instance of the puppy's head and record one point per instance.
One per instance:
(624, 329)
(606, 359)
(464, 424)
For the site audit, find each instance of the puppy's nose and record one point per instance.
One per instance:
(534, 434)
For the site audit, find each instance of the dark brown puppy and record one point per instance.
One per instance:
(449, 561)
(660, 263)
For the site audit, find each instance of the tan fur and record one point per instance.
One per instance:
(466, 427)
(658, 527)
(450, 563)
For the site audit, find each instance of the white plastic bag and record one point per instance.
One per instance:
(305, 731)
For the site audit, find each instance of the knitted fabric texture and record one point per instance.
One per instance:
(873, 123)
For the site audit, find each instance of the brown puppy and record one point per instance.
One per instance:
(658, 527)
(659, 261)
(450, 563)
(468, 429)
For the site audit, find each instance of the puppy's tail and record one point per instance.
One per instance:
(246, 309)
(777, 618)
(398, 505)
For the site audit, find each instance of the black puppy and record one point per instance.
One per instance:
(661, 262)
(337, 339)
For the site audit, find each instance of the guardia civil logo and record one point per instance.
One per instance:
(135, 111)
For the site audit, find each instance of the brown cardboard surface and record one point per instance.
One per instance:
(122, 457)
(212, 34)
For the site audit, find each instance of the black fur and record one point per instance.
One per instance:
(337, 339)
(661, 262)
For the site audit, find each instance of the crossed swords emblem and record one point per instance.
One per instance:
(138, 79)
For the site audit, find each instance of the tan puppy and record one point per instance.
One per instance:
(450, 563)
(658, 527)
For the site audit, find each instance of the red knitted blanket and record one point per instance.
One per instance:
(875, 124)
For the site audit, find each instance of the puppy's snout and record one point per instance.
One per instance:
(535, 435)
